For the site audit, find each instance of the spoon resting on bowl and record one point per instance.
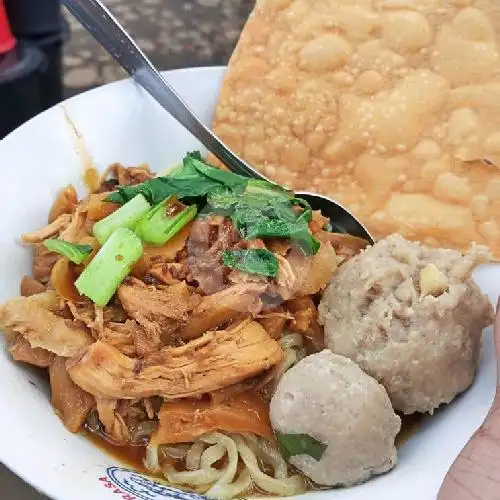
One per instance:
(475, 473)
(103, 26)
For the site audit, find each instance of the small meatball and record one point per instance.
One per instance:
(411, 317)
(329, 398)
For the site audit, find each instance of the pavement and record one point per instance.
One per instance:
(174, 34)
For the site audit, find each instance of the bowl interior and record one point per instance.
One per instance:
(120, 123)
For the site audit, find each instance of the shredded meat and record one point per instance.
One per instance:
(43, 262)
(76, 229)
(209, 237)
(48, 231)
(30, 286)
(34, 319)
(204, 365)
(280, 246)
(71, 403)
(160, 311)
(221, 308)
(95, 317)
(113, 422)
(305, 321)
(21, 350)
(346, 246)
(170, 273)
(274, 322)
(126, 176)
(122, 336)
(318, 222)
(300, 275)
(65, 203)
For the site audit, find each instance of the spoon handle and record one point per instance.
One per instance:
(475, 474)
(104, 27)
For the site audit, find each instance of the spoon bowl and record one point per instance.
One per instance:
(104, 27)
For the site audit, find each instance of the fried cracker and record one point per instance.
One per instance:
(388, 106)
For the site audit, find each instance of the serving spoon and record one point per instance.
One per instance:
(104, 27)
(475, 473)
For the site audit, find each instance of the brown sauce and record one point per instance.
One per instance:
(133, 456)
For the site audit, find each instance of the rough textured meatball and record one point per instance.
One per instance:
(329, 398)
(411, 317)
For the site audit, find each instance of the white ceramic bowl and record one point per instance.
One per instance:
(119, 122)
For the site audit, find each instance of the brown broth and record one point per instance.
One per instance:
(133, 456)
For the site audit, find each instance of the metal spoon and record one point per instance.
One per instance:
(103, 26)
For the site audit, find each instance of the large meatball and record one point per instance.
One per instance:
(329, 398)
(411, 317)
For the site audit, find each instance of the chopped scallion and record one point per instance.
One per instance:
(112, 263)
(126, 216)
(74, 253)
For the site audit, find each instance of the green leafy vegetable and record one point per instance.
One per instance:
(300, 444)
(154, 190)
(274, 217)
(157, 227)
(101, 278)
(252, 261)
(236, 183)
(194, 180)
(258, 209)
(74, 253)
(126, 216)
(261, 187)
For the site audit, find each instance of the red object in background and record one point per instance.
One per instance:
(7, 40)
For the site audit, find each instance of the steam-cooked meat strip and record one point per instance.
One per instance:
(160, 311)
(301, 275)
(65, 202)
(127, 176)
(34, 319)
(48, 231)
(346, 246)
(305, 321)
(223, 307)
(280, 246)
(274, 322)
(76, 229)
(112, 326)
(92, 316)
(21, 350)
(318, 222)
(209, 237)
(43, 262)
(170, 273)
(72, 404)
(122, 336)
(204, 365)
(30, 286)
(113, 422)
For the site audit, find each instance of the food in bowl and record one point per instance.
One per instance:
(411, 317)
(169, 311)
(383, 105)
(329, 400)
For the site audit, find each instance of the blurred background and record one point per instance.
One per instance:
(55, 58)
